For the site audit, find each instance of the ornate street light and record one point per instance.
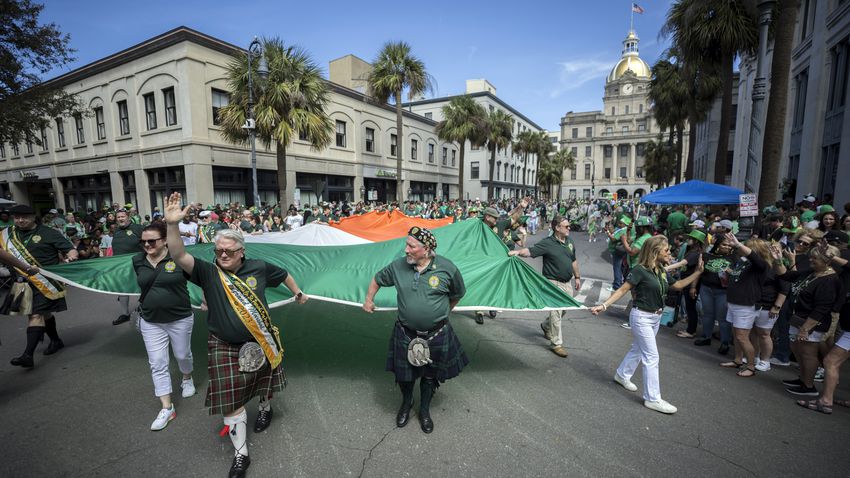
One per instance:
(255, 49)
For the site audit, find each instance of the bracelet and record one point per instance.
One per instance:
(577, 277)
(604, 306)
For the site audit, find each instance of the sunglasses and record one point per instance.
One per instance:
(149, 242)
(226, 252)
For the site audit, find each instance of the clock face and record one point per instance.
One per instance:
(627, 89)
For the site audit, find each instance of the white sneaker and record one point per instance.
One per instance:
(820, 374)
(627, 384)
(660, 406)
(188, 387)
(165, 415)
(626, 325)
(762, 365)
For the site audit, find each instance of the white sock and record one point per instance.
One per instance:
(265, 404)
(238, 432)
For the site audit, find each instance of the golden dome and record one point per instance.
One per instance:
(633, 63)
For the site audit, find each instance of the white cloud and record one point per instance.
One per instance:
(574, 74)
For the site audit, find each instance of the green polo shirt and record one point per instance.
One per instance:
(167, 298)
(558, 257)
(503, 230)
(126, 239)
(650, 288)
(423, 298)
(222, 319)
(43, 243)
(676, 222)
(637, 244)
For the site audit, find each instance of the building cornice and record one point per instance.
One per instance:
(475, 95)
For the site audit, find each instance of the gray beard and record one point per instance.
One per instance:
(410, 260)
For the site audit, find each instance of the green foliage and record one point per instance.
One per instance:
(497, 135)
(660, 162)
(27, 50)
(463, 121)
(396, 69)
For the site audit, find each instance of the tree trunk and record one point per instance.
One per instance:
(524, 172)
(680, 133)
(281, 176)
(460, 171)
(399, 193)
(692, 134)
(492, 167)
(774, 124)
(725, 118)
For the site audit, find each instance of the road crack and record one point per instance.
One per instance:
(371, 450)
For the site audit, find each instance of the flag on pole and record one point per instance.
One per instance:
(637, 8)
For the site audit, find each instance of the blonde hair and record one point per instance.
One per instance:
(650, 250)
(824, 254)
(760, 247)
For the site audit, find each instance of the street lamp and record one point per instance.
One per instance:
(254, 49)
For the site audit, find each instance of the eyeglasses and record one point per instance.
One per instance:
(149, 242)
(226, 252)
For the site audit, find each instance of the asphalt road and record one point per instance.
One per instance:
(517, 410)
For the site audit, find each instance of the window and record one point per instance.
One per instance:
(170, 107)
(429, 115)
(78, 124)
(838, 76)
(60, 132)
(29, 147)
(613, 110)
(627, 109)
(587, 150)
(573, 173)
(220, 99)
(491, 108)
(640, 108)
(586, 171)
(340, 133)
(302, 136)
(640, 149)
(414, 146)
(575, 133)
(150, 111)
(454, 158)
(641, 126)
(574, 151)
(430, 153)
(625, 129)
(498, 170)
(473, 170)
(572, 193)
(2, 151)
(624, 150)
(585, 193)
(99, 122)
(802, 83)
(607, 173)
(393, 145)
(123, 118)
(588, 132)
(639, 171)
(445, 155)
(622, 171)
(609, 130)
(607, 151)
(15, 150)
(370, 140)
(44, 145)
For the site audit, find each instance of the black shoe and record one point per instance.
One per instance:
(240, 466)
(25, 361)
(793, 383)
(121, 319)
(803, 391)
(724, 349)
(426, 423)
(55, 346)
(479, 317)
(403, 415)
(702, 341)
(264, 419)
(492, 314)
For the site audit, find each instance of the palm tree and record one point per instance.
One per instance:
(463, 121)
(562, 159)
(547, 175)
(669, 95)
(498, 135)
(659, 165)
(394, 70)
(289, 102)
(525, 144)
(716, 31)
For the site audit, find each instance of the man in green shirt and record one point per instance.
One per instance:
(6, 220)
(125, 241)
(503, 230)
(428, 287)
(676, 222)
(643, 231)
(559, 266)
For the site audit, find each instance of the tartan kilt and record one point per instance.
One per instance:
(446, 353)
(43, 305)
(229, 389)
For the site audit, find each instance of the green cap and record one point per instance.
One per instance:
(491, 211)
(626, 220)
(698, 235)
(826, 208)
(643, 221)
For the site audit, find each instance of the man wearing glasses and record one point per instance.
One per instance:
(560, 267)
(244, 348)
(125, 240)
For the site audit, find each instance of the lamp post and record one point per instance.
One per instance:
(254, 49)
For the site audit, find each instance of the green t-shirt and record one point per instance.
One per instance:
(167, 299)
(43, 243)
(650, 288)
(676, 222)
(558, 257)
(5, 224)
(618, 234)
(222, 320)
(637, 244)
(423, 298)
(126, 239)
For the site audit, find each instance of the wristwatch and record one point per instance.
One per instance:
(299, 294)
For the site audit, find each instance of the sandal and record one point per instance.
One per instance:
(815, 405)
(731, 365)
(684, 334)
(746, 372)
(841, 403)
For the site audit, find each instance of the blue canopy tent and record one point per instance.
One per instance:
(694, 192)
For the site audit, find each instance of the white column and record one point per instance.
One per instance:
(143, 196)
(615, 171)
(632, 158)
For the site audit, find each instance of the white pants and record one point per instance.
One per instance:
(643, 351)
(157, 338)
(553, 323)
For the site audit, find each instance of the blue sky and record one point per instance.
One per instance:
(544, 57)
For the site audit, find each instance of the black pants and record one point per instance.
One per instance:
(691, 310)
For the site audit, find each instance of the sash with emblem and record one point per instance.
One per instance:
(253, 314)
(206, 233)
(12, 243)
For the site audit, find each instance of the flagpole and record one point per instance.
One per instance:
(632, 21)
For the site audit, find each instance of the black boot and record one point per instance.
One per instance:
(55, 342)
(406, 403)
(35, 335)
(427, 387)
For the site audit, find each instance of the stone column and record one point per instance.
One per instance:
(632, 158)
(116, 184)
(615, 171)
(143, 196)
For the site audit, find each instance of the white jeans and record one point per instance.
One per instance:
(553, 323)
(643, 351)
(157, 337)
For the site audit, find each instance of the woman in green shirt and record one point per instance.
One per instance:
(649, 282)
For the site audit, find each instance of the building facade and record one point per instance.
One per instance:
(514, 175)
(609, 145)
(153, 128)
(706, 141)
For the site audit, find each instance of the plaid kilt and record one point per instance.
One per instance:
(230, 389)
(446, 353)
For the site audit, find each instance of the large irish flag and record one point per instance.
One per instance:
(336, 264)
